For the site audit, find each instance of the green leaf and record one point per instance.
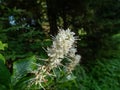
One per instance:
(4, 75)
(21, 68)
(2, 58)
(2, 46)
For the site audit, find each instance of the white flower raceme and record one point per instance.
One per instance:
(63, 47)
(62, 44)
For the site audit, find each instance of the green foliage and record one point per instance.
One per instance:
(2, 58)
(4, 72)
(111, 49)
(4, 76)
(102, 75)
(62, 81)
(21, 68)
(107, 73)
(2, 46)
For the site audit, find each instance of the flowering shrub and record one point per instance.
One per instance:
(63, 47)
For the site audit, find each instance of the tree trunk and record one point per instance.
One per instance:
(52, 16)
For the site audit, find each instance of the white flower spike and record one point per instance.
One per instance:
(63, 47)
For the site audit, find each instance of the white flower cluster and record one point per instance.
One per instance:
(62, 44)
(63, 47)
